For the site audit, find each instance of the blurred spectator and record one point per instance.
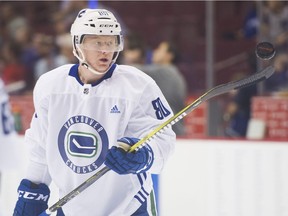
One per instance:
(30, 55)
(71, 8)
(134, 52)
(237, 112)
(168, 77)
(50, 56)
(12, 20)
(275, 24)
(65, 55)
(279, 80)
(60, 24)
(64, 17)
(47, 52)
(274, 27)
(275, 30)
(13, 70)
(17, 31)
(250, 26)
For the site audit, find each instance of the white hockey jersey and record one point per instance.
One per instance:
(75, 124)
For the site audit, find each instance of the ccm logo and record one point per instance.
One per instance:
(106, 25)
(33, 196)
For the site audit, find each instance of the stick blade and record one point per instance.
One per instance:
(269, 71)
(255, 78)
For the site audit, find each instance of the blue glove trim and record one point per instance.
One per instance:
(150, 159)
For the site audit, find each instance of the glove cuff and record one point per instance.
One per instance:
(124, 142)
(150, 156)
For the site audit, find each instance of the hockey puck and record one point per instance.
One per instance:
(265, 50)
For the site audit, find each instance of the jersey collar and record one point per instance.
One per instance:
(74, 73)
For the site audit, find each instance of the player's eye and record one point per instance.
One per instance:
(101, 44)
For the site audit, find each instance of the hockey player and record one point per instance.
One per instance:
(8, 145)
(80, 112)
(6, 119)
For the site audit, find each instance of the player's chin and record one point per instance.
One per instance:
(102, 67)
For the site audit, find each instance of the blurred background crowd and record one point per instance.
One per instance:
(168, 41)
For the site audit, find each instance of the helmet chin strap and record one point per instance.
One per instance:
(88, 66)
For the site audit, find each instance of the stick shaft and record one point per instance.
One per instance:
(218, 90)
(77, 190)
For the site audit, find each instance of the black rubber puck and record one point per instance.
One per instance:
(265, 50)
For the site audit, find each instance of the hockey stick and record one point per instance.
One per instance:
(218, 90)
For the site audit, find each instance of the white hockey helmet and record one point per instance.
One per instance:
(95, 22)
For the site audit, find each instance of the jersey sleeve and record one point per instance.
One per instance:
(35, 138)
(151, 111)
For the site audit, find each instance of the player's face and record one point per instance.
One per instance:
(99, 50)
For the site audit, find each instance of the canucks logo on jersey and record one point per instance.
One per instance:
(83, 144)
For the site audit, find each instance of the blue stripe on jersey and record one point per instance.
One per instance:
(142, 177)
(142, 194)
(74, 72)
(142, 197)
(143, 209)
(139, 200)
